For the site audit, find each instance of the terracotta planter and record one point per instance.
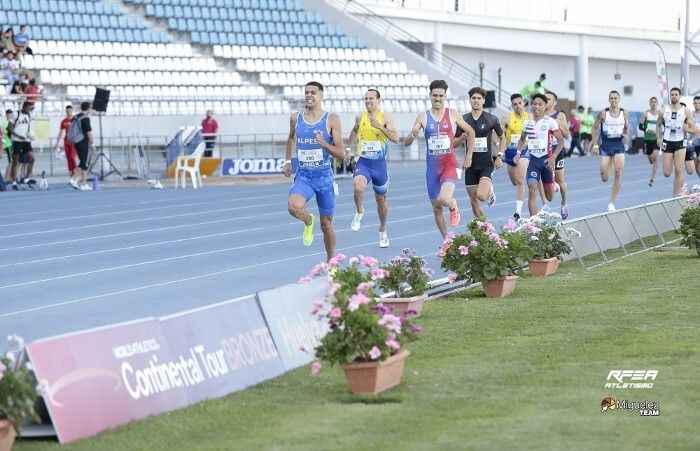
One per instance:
(400, 305)
(7, 435)
(370, 378)
(500, 287)
(541, 268)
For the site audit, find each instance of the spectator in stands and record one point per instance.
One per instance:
(10, 69)
(83, 147)
(529, 90)
(22, 41)
(209, 129)
(8, 40)
(31, 91)
(68, 147)
(7, 141)
(21, 130)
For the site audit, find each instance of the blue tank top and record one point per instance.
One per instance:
(313, 159)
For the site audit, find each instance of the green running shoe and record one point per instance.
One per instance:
(308, 235)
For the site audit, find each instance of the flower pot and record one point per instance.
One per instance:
(400, 305)
(499, 288)
(370, 378)
(7, 435)
(540, 268)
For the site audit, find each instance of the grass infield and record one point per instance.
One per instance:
(524, 372)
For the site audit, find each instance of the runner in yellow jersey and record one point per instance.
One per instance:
(373, 130)
(513, 126)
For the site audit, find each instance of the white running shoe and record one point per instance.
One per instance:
(383, 239)
(611, 208)
(357, 221)
(73, 183)
(85, 187)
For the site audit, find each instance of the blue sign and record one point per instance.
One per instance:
(295, 331)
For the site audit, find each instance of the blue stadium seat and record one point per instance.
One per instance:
(21, 17)
(293, 40)
(215, 14)
(302, 41)
(104, 21)
(255, 4)
(168, 11)
(305, 30)
(101, 34)
(249, 39)
(187, 12)
(254, 27)
(150, 10)
(138, 36)
(89, 8)
(177, 12)
(68, 20)
(284, 41)
(258, 15)
(275, 16)
(129, 35)
(181, 24)
(111, 36)
(245, 27)
(58, 19)
(240, 15)
(228, 26)
(97, 6)
(249, 15)
(246, 4)
(11, 18)
(195, 37)
(285, 16)
(235, 26)
(289, 28)
(319, 41)
(83, 34)
(344, 42)
(196, 13)
(120, 35)
(327, 41)
(276, 40)
(206, 13)
(263, 5)
(240, 39)
(258, 39)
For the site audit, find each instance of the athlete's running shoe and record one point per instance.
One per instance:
(85, 187)
(455, 217)
(516, 216)
(73, 183)
(564, 212)
(492, 197)
(651, 182)
(383, 239)
(611, 208)
(308, 236)
(356, 221)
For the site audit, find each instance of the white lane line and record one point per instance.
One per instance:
(179, 257)
(199, 276)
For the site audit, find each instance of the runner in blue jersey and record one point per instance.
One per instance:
(314, 136)
(537, 136)
(613, 123)
(373, 130)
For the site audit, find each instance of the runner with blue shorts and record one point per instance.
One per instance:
(537, 136)
(374, 128)
(614, 129)
(315, 136)
(513, 126)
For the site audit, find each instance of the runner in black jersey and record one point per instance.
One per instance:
(478, 167)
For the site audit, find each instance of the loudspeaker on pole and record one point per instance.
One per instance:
(101, 100)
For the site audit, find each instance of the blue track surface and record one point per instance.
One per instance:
(74, 260)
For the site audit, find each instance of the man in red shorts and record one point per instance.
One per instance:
(68, 147)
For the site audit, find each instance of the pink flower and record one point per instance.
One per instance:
(335, 261)
(452, 277)
(353, 261)
(335, 313)
(317, 269)
(473, 243)
(364, 287)
(355, 301)
(511, 225)
(315, 367)
(392, 323)
(379, 273)
(441, 253)
(369, 262)
(334, 287)
(375, 353)
(464, 250)
(415, 328)
(305, 279)
(392, 343)
(316, 307)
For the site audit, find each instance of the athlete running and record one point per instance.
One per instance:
(614, 125)
(647, 123)
(559, 172)
(315, 136)
(441, 172)
(677, 120)
(477, 176)
(537, 136)
(374, 128)
(513, 125)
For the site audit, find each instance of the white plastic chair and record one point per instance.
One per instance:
(189, 164)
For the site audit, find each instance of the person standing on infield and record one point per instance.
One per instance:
(315, 136)
(438, 124)
(614, 125)
(373, 130)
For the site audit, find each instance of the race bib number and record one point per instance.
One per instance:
(439, 145)
(310, 158)
(536, 145)
(480, 145)
(614, 130)
(371, 149)
(514, 140)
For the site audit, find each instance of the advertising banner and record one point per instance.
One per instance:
(286, 311)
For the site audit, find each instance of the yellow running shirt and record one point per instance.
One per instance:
(515, 128)
(372, 143)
